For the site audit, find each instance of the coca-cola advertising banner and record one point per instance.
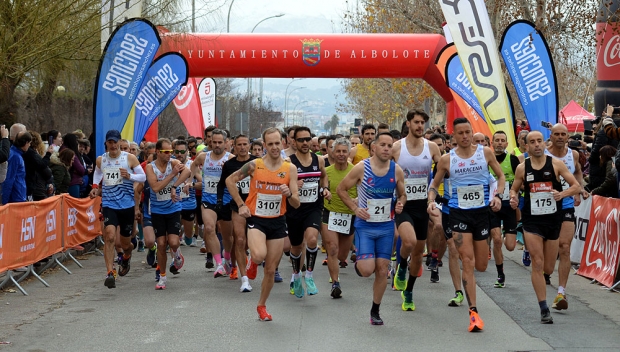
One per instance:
(600, 254)
(609, 45)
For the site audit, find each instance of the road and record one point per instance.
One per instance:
(198, 312)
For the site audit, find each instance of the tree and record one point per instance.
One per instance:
(332, 124)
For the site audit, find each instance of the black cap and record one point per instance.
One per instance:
(113, 135)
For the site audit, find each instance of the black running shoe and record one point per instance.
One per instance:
(124, 267)
(429, 257)
(344, 264)
(435, 275)
(209, 264)
(110, 282)
(375, 319)
(173, 269)
(545, 317)
(150, 256)
(547, 279)
(303, 268)
(336, 291)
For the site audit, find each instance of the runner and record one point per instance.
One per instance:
(415, 155)
(273, 181)
(165, 176)
(506, 216)
(469, 206)
(187, 193)
(242, 145)
(376, 178)
(290, 141)
(118, 170)
(337, 228)
(541, 175)
(214, 208)
(362, 150)
(559, 150)
(304, 222)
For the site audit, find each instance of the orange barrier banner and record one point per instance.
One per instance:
(81, 220)
(600, 256)
(30, 231)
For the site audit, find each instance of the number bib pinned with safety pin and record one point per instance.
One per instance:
(165, 193)
(470, 196)
(542, 203)
(339, 222)
(379, 210)
(268, 204)
(416, 188)
(112, 176)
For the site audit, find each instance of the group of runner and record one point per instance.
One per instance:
(390, 199)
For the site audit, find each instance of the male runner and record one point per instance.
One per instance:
(469, 206)
(242, 146)
(118, 170)
(559, 150)
(273, 181)
(376, 178)
(506, 215)
(187, 193)
(415, 155)
(214, 208)
(362, 150)
(304, 222)
(164, 176)
(290, 141)
(542, 177)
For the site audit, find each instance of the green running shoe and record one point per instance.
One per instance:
(400, 280)
(457, 300)
(407, 301)
(292, 289)
(310, 286)
(298, 288)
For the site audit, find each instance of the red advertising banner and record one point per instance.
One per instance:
(600, 255)
(187, 103)
(81, 220)
(29, 232)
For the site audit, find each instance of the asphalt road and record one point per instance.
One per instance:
(199, 313)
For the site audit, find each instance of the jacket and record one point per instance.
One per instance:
(38, 175)
(14, 187)
(609, 188)
(77, 170)
(62, 177)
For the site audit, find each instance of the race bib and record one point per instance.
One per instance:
(210, 184)
(268, 204)
(506, 193)
(470, 196)
(339, 222)
(542, 203)
(165, 193)
(416, 188)
(112, 176)
(379, 210)
(182, 194)
(565, 184)
(244, 185)
(309, 192)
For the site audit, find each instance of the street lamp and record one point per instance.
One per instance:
(260, 84)
(296, 105)
(286, 100)
(265, 19)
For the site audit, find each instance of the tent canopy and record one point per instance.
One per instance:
(572, 115)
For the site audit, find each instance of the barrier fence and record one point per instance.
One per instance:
(32, 231)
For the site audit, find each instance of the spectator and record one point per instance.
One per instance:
(15, 184)
(609, 188)
(84, 149)
(60, 164)
(39, 182)
(54, 138)
(5, 150)
(134, 148)
(77, 168)
(602, 136)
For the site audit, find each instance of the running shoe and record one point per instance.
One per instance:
(193, 244)
(173, 269)
(188, 240)
(110, 282)
(150, 256)
(475, 323)
(526, 259)
(245, 285)
(292, 288)
(262, 314)
(179, 260)
(500, 283)
(140, 246)
(303, 267)
(353, 256)
(124, 266)
(332, 281)
(203, 249)
(428, 260)
(375, 319)
(134, 242)
(400, 280)
(336, 290)
(161, 284)
(234, 275)
(251, 269)
(394, 256)
(457, 300)
(344, 264)
(227, 267)
(433, 265)
(298, 289)
(119, 258)
(545, 317)
(115, 274)
(219, 271)
(560, 302)
(435, 275)
(547, 279)
(408, 304)
(277, 277)
(310, 286)
(157, 275)
(323, 248)
(325, 261)
(209, 263)
(439, 263)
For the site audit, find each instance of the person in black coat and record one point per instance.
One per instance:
(39, 181)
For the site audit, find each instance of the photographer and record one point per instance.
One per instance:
(605, 133)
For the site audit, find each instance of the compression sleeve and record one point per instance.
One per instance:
(98, 176)
(138, 174)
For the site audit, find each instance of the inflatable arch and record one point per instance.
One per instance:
(313, 55)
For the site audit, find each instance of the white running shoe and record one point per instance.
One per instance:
(193, 242)
(219, 271)
(245, 285)
(161, 284)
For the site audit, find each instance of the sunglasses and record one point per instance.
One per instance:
(165, 151)
(304, 139)
(192, 146)
(180, 151)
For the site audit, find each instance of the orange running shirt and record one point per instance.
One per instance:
(265, 199)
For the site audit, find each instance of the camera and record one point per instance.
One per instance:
(546, 124)
(574, 144)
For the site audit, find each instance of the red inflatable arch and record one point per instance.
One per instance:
(313, 55)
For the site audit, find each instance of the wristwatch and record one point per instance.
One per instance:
(500, 196)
